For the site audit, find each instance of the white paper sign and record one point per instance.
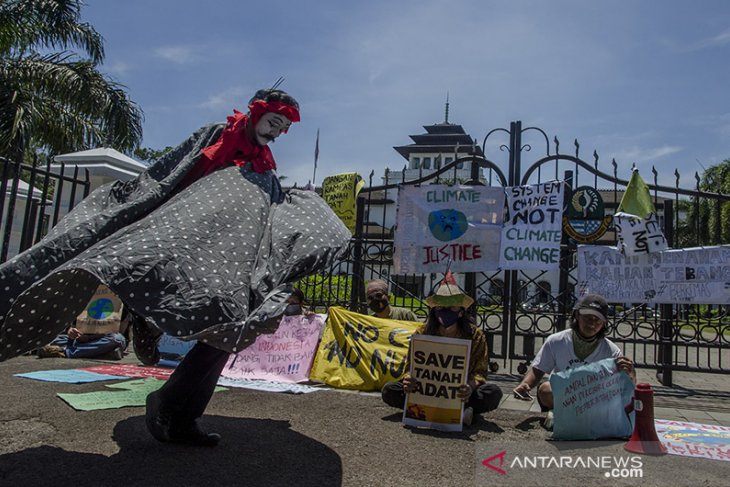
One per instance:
(532, 232)
(699, 275)
(638, 236)
(438, 224)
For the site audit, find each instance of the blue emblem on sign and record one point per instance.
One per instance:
(447, 225)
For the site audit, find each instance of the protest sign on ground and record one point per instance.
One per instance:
(439, 365)
(532, 232)
(698, 275)
(283, 356)
(69, 376)
(439, 224)
(129, 370)
(694, 440)
(361, 352)
(590, 402)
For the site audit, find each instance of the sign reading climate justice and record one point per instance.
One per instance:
(439, 366)
(532, 232)
(698, 275)
(438, 224)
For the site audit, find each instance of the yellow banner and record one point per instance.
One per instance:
(361, 352)
(340, 193)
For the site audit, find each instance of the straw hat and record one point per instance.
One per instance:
(448, 294)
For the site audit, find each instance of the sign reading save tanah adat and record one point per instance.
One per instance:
(699, 275)
(439, 365)
(361, 352)
(532, 232)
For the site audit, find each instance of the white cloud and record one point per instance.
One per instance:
(178, 54)
(236, 96)
(721, 39)
(119, 68)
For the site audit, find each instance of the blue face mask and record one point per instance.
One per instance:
(446, 317)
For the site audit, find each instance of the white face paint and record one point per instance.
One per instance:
(269, 127)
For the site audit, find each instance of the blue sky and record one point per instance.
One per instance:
(644, 82)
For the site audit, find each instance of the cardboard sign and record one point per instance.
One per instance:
(590, 402)
(361, 352)
(531, 235)
(283, 356)
(439, 224)
(439, 365)
(340, 193)
(102, 315)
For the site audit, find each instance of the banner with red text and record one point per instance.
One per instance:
(438, 224)
(283, 356)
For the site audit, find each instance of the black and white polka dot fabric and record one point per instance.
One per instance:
(211, 262)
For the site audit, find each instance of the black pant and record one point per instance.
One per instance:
(187, 392)
(485, 398)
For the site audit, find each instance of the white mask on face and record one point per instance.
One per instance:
(269, 127)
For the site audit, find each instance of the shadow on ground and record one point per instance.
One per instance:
(252, 452)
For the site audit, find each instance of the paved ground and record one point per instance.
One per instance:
(324, 438)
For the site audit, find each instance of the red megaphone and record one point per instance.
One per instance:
(644, 439)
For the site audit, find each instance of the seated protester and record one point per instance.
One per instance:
(296, 305)
(583, 343)
(74, 344)
(447, 318)
(379, 303)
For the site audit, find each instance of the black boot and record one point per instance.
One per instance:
(158, 420)
(193, 435)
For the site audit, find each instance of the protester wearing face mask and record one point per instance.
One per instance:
(448, 318)
(379, 303)
(295, 304)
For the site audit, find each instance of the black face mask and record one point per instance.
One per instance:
(377, 305)
(293, 309)
(446, 317)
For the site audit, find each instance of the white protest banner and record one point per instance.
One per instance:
(531, 234)
(284, 356)
(438, 224)
(591, 402)
(439, 365)
(699, 275)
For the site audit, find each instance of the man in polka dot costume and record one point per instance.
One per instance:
(200, 246)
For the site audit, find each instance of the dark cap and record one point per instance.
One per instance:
(593, 304)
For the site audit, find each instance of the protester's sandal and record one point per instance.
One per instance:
(547, 422)
(51, 351)
(468, 416)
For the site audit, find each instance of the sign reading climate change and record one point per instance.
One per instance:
(438, 224)
(531, 235)
(698, 275)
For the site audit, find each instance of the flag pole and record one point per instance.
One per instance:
(316, 156)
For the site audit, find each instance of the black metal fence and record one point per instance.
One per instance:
(32, 200)
(519, 309)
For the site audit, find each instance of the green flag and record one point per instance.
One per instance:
(636, 200)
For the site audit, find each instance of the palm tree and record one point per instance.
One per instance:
(58, 100)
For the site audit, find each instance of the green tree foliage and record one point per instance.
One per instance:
(151, 155)
(324, 291)
(54, 98)
(708, 220)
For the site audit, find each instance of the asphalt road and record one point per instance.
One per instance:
(326, 438)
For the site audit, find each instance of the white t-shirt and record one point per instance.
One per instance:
(557, 354)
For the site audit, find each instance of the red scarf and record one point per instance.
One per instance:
(232, 147)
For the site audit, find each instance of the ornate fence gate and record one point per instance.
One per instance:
(519, 309)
